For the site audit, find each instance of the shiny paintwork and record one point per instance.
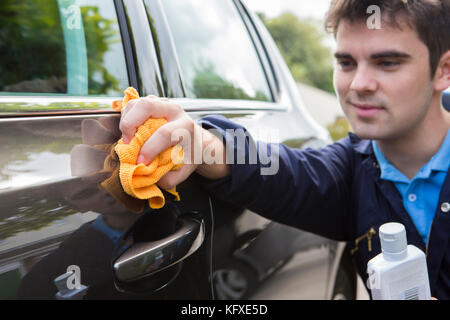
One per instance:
(44, 203)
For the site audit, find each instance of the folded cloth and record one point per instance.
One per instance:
(113, 185)
(139, 180)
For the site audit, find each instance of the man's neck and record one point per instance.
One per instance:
(411, 152)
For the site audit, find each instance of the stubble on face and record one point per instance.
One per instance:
(382, 79)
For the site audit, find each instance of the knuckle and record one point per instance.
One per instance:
(177, 108)
(129, 106)
(185, 124)
(148, 101)
(165, 132)
(189, 124)
(146, 156)
(124, 125)
(167, 182)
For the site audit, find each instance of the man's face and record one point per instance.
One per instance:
(382, 79)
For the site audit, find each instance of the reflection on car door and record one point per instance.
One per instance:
(57, 131)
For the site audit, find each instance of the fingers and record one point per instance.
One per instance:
(122, 124)
(173, 178)
(178, 130)
(166, 136)
(127, 108)
(138, 111)
(132, 103)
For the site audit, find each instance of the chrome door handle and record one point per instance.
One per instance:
(143, 259)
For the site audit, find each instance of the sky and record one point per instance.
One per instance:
(302, 8)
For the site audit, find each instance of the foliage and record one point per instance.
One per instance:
(301, 44)
(339, 128)
(99, 35)
(33, 53)
(208, 84)
(30, 33)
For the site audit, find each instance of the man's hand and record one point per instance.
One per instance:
(179, 129)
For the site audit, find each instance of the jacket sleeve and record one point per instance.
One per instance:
(308, 189)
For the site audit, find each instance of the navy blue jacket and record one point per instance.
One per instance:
(446, 100)
(336, 192)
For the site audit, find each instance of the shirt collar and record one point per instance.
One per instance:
(388, 171)
(441, 160)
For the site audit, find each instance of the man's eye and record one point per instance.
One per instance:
(345, 64)
(388, 63)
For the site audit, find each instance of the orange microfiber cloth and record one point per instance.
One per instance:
(139, 180)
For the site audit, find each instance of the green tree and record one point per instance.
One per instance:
(301, 44)
(32, 47)
(207, 83)
(100, 34)
(339, 128)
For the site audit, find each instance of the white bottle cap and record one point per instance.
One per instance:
(393, 238)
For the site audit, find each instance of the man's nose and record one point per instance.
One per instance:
(364, 80)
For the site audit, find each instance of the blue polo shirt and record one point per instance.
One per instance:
(421, 194)
(113, 234)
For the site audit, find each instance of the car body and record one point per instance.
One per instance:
(66, 64)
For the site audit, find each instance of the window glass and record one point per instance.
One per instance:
(70, 47)
(216, 54)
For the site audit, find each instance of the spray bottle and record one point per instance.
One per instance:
(400, 271)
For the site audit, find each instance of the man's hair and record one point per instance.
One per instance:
(429, 18)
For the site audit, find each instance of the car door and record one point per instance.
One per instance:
(216, 62)
(63, 233)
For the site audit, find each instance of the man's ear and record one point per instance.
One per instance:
(442, 76)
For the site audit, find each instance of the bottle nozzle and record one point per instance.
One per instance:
(393, 238)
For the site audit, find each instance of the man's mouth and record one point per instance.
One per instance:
(365, 110)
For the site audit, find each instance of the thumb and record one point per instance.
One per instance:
(173, 178)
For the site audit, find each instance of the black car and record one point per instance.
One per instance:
(63, 235)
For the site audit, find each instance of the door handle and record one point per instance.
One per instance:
(143, 259)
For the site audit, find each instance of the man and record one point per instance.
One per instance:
(389, 81)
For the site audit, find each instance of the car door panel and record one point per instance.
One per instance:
(50, 196)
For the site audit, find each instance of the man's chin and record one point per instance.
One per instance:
(365, 129)
(364, 133)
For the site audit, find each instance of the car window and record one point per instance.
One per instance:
(216, 54)
(69, 47)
